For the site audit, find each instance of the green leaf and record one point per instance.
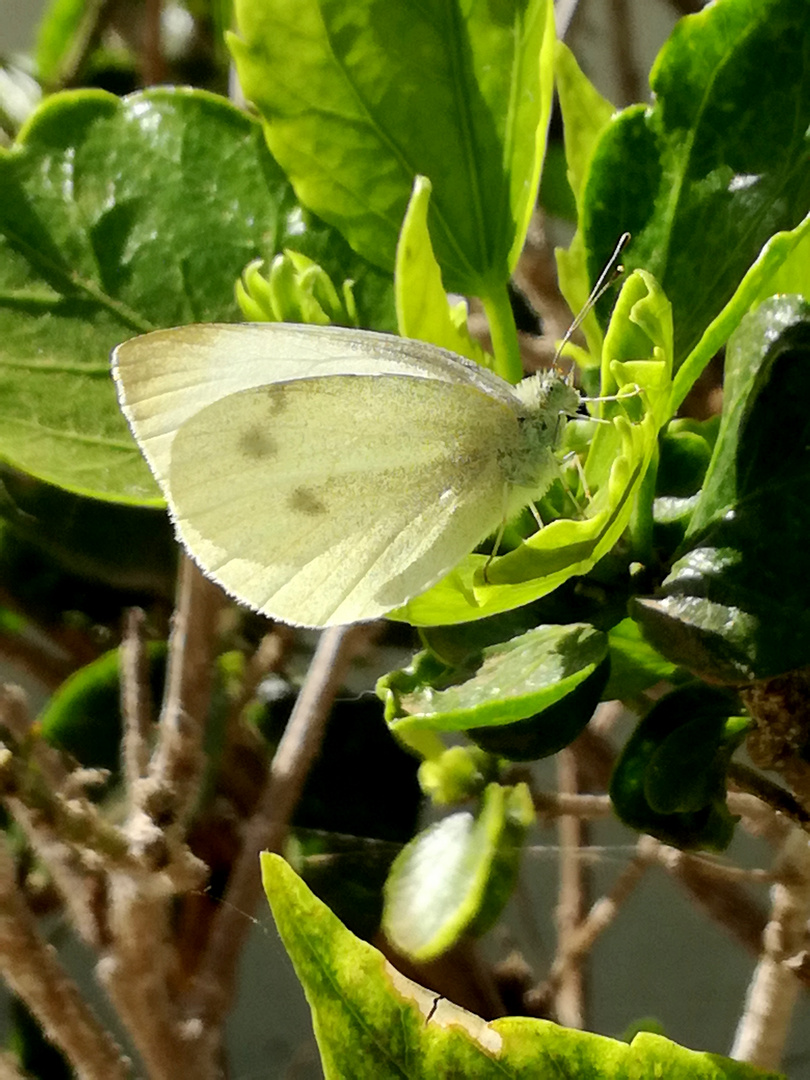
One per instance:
(360, 97)
(736, 606)
(64, 31)
(718, 164)
(458, 773)
(296, 289)
(555, 196)
(455, 877)
(551, 729)
(97, 244)
(423, 310)
(669, 779)
(371, 1023)
(585, 115)
(510, 681)
(638, 348)
(635, 665)
(685, 449)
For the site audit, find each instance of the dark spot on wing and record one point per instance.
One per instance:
(275, 396)
(304, 501)
(255, 442)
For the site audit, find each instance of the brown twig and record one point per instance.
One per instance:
(136, 974)
(629, 79)
(153, 66)
(551, 804)
(210, 995)
(135, 699)
(536, 277)
(780, 712)
(763, 1029)
(166, 796)
(64, 830)
(716, 893)
(31, 969)
(569, 998)
(33, 659)
(770, 793)
(138, 966)
(599, 918)
(8, 1068)
(712, 886)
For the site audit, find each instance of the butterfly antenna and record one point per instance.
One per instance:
(613, 269)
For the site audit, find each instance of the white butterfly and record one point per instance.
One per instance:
(324, 475)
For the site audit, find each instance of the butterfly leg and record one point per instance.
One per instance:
(495, 546)
(574, 456)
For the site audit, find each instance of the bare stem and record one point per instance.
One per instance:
(152, 63)
(778, 707)
(63, 828)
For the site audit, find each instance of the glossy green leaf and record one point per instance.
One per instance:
(455, 877)
(638, 363)
(669, 779)
(510, 681)
(371, 1023)
(423, 310)
(718, 164)
(97, 244)
(736, 605)
(550, 730)
(360, 97)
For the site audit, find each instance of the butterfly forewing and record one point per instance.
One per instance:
(165, 377)
(335, 499)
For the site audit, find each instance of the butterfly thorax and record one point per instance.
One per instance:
(529, 465)
(547, 397)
